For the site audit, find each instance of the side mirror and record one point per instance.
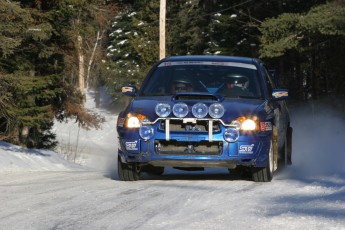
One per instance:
(280, 94)
(129, 90)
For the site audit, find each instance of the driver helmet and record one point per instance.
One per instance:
(236, 80)
(181, 85)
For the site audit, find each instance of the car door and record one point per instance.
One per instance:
(280, 110)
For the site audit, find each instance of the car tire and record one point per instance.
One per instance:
(128, 172)
(265, 174)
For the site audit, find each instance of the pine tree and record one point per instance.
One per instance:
(133, 45)
(309, 38)
(35, 70)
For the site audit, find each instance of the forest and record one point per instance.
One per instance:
(52, 51)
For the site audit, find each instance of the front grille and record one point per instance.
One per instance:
(202, 148)
(199, 126)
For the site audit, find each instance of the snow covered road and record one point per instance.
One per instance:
(207, 200)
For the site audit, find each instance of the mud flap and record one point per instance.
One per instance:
(275, 147)
(289, 145)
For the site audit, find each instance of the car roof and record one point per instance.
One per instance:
(246, 60)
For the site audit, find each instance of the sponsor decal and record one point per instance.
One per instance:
(131, 145)
(246, 149)
(265, 126)
(213, 63)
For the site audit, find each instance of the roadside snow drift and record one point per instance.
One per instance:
(14, 158)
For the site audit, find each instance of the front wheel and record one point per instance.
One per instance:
(128, 172)
(265, 174)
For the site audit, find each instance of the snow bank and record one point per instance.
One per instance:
(14, 158)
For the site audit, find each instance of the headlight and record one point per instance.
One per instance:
(216, 110)
(199, 110)
(133, 120)
(246, 123)
(146, 132)
(180, 110)
(163, 109)
(231, 134)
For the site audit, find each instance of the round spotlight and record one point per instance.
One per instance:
(236, 123)
(216, 110)
(180, 110)
(146, 132)
(163, 109)
(231, 134)
(199, 110)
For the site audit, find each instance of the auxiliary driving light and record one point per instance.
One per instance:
(199, 110)
(231, 134)
(237, 123)
(163, 109)
(146, 132)
(180, 110)
(216, 110)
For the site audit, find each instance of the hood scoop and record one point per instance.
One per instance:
(196, 97)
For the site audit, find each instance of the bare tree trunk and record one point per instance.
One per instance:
(81, 65)
(162, 15)
(98, 38)
(24, 135)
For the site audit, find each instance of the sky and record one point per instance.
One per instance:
(76, 186)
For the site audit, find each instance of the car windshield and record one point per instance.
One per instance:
(229, 79)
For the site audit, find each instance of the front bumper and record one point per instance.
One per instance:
(194, 148)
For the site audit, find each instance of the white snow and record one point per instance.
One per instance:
(118, 31)
(132, 14)
(122, 42)
(41, 190)
(17, 159)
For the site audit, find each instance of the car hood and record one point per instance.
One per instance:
(234, 107)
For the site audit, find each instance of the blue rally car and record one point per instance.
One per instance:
(193, 112)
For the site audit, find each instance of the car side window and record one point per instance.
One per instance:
(269, 81)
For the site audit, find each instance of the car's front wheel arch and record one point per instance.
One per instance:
(265, 174)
